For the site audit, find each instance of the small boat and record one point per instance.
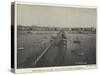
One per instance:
(77, 41)
(81, 54)
(21, 48)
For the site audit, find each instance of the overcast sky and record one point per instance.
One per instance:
(56, 16)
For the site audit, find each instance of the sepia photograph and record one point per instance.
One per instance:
(50, 36)
(55, 36)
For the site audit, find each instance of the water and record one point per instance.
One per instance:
(69, 53)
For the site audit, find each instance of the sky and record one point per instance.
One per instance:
(51, 16)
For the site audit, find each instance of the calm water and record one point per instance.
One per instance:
(77, 49)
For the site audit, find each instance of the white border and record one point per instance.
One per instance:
(61, 68)
(53, 4)
(15, 36)
(44, 69)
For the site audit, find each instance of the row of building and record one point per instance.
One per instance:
(38, 28)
